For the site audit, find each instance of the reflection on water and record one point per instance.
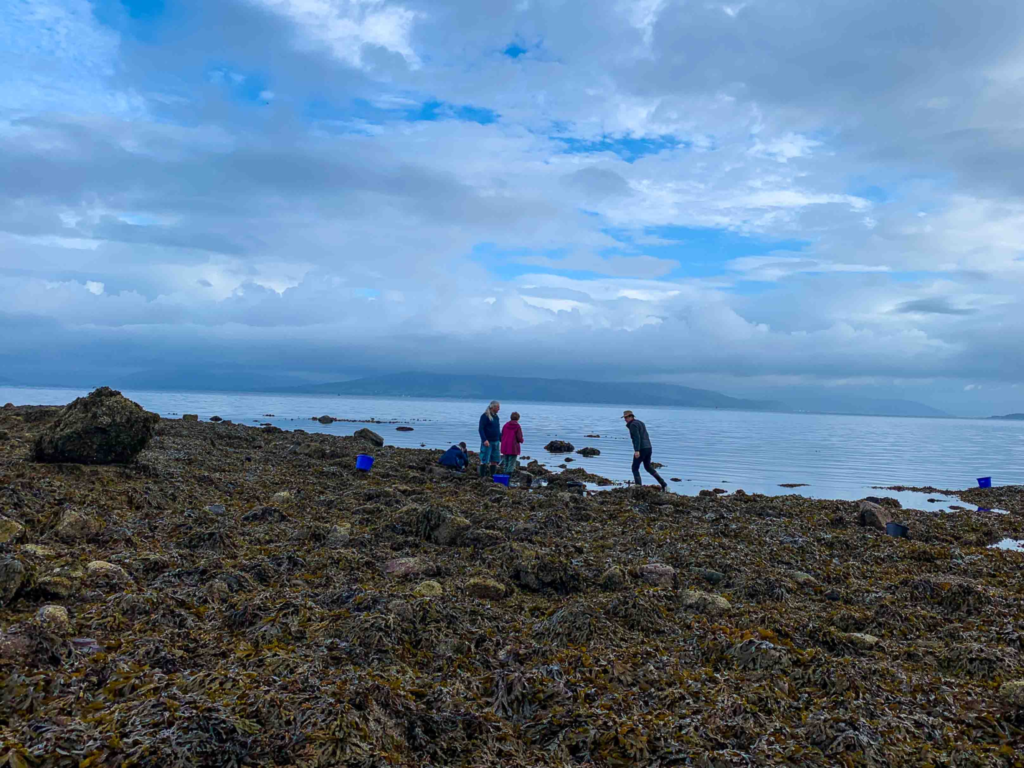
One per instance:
(838, 457)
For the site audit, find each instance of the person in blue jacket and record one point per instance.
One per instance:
(455, 457)
(490, 439)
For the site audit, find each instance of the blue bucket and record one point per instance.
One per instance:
(503, 479)
(984, 482)
(364, 462)
(897, 529)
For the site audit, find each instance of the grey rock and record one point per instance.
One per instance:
(369, 436)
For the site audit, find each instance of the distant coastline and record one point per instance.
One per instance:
(474, 388)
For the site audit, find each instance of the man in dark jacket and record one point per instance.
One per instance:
(641, 449)
(455, 457)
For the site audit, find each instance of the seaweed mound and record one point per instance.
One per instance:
(103, 428)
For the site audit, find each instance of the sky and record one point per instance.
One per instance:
(754, 197)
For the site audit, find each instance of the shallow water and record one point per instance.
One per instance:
(839, 457)
(1013, 545)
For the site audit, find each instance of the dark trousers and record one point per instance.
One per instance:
(645, 459)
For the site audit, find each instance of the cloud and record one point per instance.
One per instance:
(346, 28)
(357, 184)
(937, 305)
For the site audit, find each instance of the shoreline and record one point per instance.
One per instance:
(417, 617)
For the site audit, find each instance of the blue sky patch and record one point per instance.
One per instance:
(136, 18)
(427, 111)
(628, 148)
(701, 252)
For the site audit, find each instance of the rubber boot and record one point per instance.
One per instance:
(482, 471)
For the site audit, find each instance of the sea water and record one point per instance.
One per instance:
(837, 457)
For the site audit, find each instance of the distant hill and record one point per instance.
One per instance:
(485, 388)
(204, 380)
(858, 406)
(1010, 416)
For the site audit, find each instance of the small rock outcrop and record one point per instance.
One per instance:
(103, 428)
(658, 575)
(102, 572)
(428, 589)
(873, 515)
(704, 602)
(369, 436)
(339, 535)
(55, 619)
(559, 446)
(588, 452)
(10, 530)
(409, 567)
(12, 574)
(1013, 692)
(485, 589)
(76, 525)
(325, 419)
(403, 429)
(612, 579)
(860, 640)
(190, 417)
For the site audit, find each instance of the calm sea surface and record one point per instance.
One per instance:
(839, 457)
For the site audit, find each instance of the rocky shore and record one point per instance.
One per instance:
(243, 596)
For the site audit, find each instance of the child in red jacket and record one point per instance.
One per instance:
(511, 439)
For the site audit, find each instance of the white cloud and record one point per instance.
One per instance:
(347, 27)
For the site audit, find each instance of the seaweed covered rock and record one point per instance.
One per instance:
(612, 579)
(409, 567)
(102, 572)
(190, 417)
(442, 526)
(588, 452)
(10, 530)
(704, 602)
(339, 535)
(559, 446)
(369, 436)
(75, 524)
(55, 619)
(12, 574)
(485, 588)
(428, 589)
(543, 571)
(103, 428)
(658, 575)
(1013, 693)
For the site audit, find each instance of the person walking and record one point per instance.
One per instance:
(641, 449)
(490, 439)
(511, 439)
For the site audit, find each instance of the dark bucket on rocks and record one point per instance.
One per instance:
(896, 529)
(364, 462)
(984, 482)
(503, 479)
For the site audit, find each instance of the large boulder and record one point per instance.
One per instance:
(103, 428)
(873, 515)
(588, 452)
(369, 436)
